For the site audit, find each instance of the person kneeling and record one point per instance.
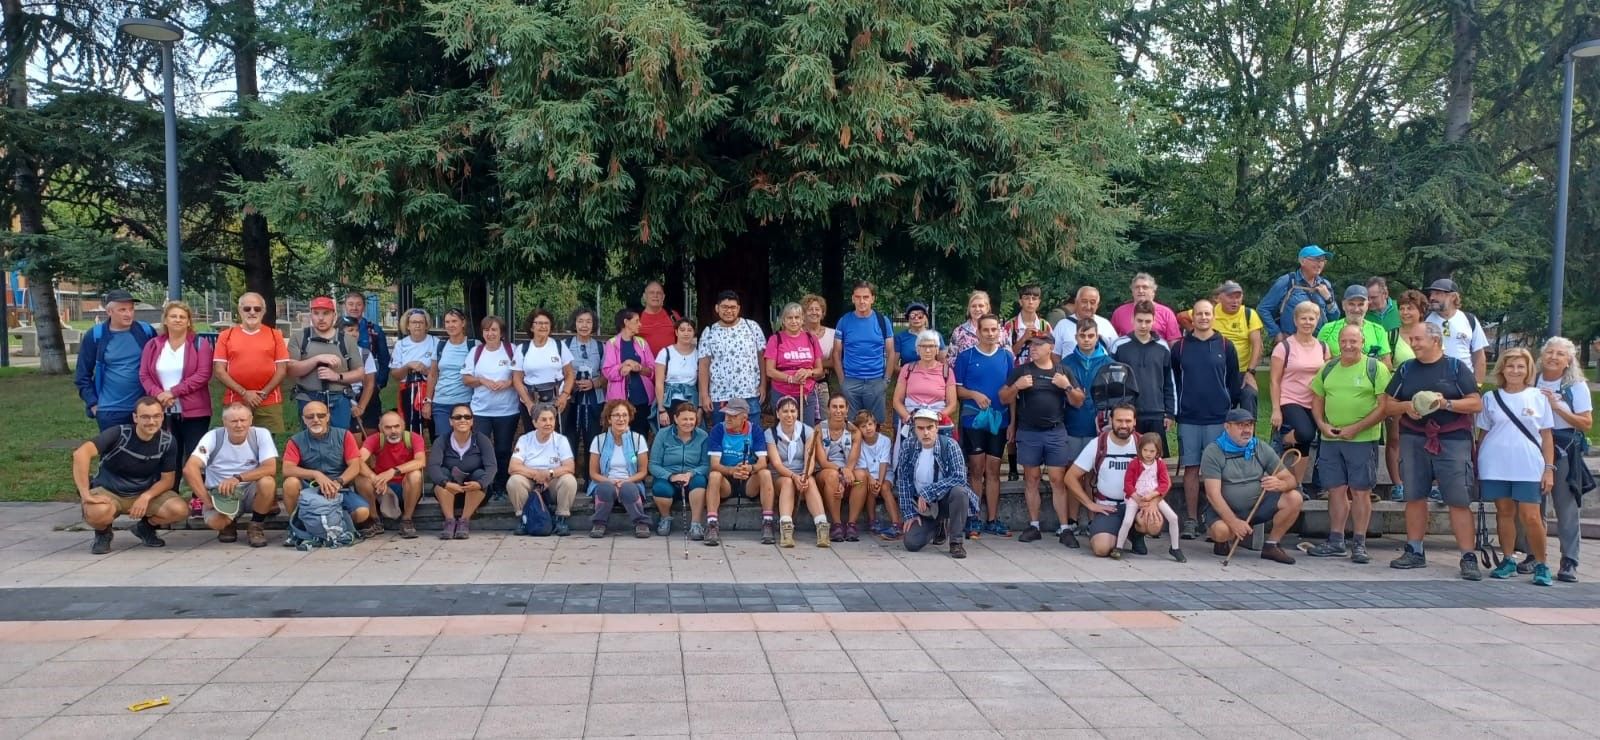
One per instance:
(327, 459)
(930, 478)
(138, 471)
(231, 471)
(1240, 473)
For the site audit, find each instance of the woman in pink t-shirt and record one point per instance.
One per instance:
(794, 363)
(1295, 362)
(926, 383)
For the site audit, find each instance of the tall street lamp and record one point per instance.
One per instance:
(165, 35)
(1558, 265)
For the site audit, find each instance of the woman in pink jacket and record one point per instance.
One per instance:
(630, 371)
(176, 369)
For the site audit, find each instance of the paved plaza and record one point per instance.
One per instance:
(502, 636)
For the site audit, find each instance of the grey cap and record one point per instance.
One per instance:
(1229, 287)
(736, 406)
(1356, 291)
(1237, 416)
(117, 295)
(1443, 285)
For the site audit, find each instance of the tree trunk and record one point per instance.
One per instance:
(833, 251)
(1459, 96)
(741, 266)
(30, 211)
(255, 242)
(674, 282)
(475, 295)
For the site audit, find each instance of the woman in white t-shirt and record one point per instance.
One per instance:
(617, 469)
(175, 368)
(410, 364)
(488, 372)
(1517, 459)
(789, 453)
(543, 370)
(1562, 383)
(677, 371)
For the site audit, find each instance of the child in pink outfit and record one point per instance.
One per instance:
(1146, 485)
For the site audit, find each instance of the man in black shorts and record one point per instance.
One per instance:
(1148, 356)
(1039, 389)
(980, 372)
(1236, 470)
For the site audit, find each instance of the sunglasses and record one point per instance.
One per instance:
(251, 309)
(315, 416)
(461, 417)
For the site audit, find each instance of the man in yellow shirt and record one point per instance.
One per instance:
(1242, 326)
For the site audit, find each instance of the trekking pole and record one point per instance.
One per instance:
(1284, 462)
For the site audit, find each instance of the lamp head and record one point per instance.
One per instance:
(151, 29)
(1590, 48)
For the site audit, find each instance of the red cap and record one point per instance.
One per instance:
(323, 302)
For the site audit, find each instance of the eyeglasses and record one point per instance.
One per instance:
(148, 417)
(461, 417)
(315, 416)
(252, 309)
(622, 415)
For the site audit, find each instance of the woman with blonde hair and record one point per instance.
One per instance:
(965, 336)
(175, 368)
(813, 309)
(1295, 362)
(1517, 459)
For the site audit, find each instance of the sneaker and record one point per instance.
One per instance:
(146, 534)
(1525, 565)
(102, 542)
(664, 526)
(449, 531)
(1435, 495)
(697, 531)
(388, 505)
(563, 527)
(1115, 554)
(1137, 545)
(959, 550)
(1541, 575)
(1469, 568)
(1190, 530)
(891, 532)
(641, 531)
(373, 528)
(1177, 555)
(256, 535)
(461, 530)
(1080, 529)
(1398, 493)
(768, 533)
(1409, 559)
(1066, 537)
(851, 533)
(974, 529)
(1358, 554)
(997, 528)
(408, 529)
(1031, 534)
(1568, 572)
(229, 533)
(1277, 554)
(1328, 550)
(939, 537)
(786, 534)
(713, 534)
(597, 531)
(823, 539)
(1506, 569)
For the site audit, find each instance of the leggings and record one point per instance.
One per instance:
(632, 496)
(1297, 419)
(502, 430)
(186, 434)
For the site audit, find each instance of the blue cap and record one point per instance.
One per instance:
(1312, 251)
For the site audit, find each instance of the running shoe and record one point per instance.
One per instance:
(1506, 569)
(997, 528)
(1541, 575)
(1328, 550)
(1469, 568)
(1031, 534)
(1409, 559)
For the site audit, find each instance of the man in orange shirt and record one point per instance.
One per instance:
(251, 361)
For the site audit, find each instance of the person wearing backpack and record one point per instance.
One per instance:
(234, 464)
(1347, 403)
(863, 354)
(325, 363)
(137, 477)
(542, 464)
(1295, 362)
(1562, 383)
(1103, 467)
(630, 371)
(414, 357)
(617, 469)
(793, 361)
(370, 337)
(1517, 460)
(495, 408)
(325, 461)
(107, 374)
(1294, 288)
(1463, 334)
(462, 464)
(391, 471)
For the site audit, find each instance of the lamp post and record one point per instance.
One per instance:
(1558, 264)
(165, 35)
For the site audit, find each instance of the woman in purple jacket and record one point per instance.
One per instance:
(176, 369)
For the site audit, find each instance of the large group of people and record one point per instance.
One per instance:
(907, 428)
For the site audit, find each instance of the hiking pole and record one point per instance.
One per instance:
(1284, 462)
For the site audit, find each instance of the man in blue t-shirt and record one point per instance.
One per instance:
(863, 354)
(108, 363)
(738, 465)
(980, 373)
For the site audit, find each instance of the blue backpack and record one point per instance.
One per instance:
(536, 521)
(319, 521)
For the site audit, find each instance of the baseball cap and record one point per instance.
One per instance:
(1443, 285)
(917, 306)
(1043, 337)
(1229, 287)
(1355, 291)
(1238, 416)
(117, 296)
(929, 414)
(736, 406)
(1312, 251)
(323, 302)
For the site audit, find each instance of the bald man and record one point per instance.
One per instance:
(391, 471)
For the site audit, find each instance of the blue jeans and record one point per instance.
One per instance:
(865, 393)
(338, 406)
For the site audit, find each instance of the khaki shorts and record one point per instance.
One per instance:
(270, 418)
(124, 503)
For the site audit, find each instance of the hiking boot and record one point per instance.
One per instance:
(997, 528)
(664, 526)
(851, 533)
(408, 529)
(1506, 569)
(563, 527)
(597, 531)
(1066, 537)
(461, 529)
(1409, 559)
(1541, 574)
(229, 533)
(786, 534)
(1031, 534)
(373, 528)
(1277, 554)
(102, 542)
(1568, 573)
(939, 535)
(1177, 555)
(1136, 543)
(713, 534)
(146, 534)
(641, 531)
(1327, 550)
(449, 530)
(1115, 554)
(256, 534)
(1358, 554)
(1219, 549)
(1469, 568)
(697, 531)
(958, 550)
(1525, 566)
(823, 539)
(1190, 530)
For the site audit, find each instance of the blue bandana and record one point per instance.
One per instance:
(1248, 450)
